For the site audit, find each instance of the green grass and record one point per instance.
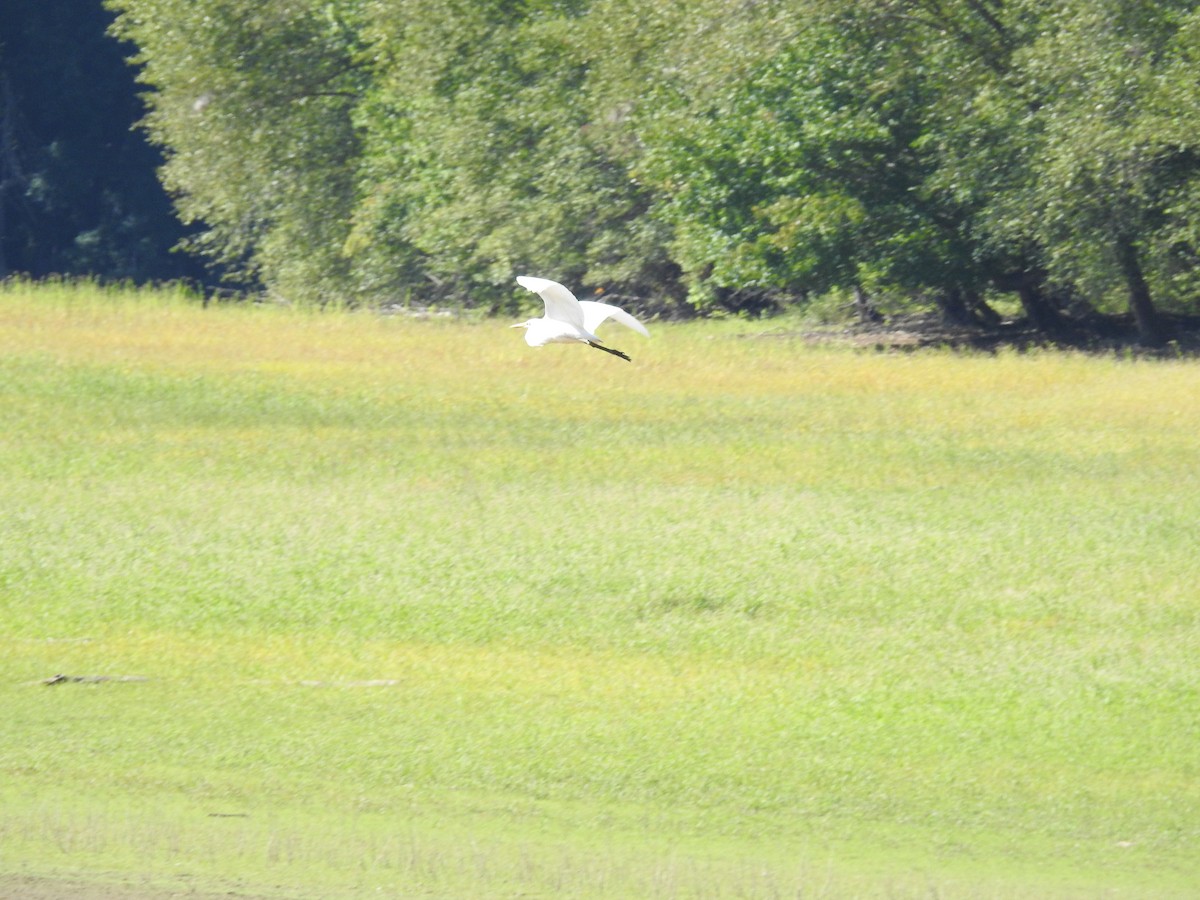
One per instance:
(421, 609)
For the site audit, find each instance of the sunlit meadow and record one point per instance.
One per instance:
(402, 605)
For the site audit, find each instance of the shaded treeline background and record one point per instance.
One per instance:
(78, 189)
(698, 155)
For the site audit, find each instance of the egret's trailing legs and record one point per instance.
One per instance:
(624, 356)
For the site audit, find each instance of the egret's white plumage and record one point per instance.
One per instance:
(568, 320)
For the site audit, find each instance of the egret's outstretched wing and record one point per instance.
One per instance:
(560, 303)
(595, 314)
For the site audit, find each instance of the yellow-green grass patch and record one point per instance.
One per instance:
(739, 617)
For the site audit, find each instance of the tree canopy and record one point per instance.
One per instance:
(693, 155)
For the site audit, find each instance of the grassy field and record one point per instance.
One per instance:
(401, 607)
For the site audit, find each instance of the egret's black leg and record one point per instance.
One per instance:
(609, 350)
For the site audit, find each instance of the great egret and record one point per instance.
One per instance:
(568, 320)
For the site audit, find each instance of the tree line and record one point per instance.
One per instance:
(692, 154)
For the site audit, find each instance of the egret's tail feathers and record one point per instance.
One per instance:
(609, 350)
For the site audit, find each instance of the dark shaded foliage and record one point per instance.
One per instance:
(77, 180)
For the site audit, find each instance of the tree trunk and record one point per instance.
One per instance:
(1041, 313)
(953, 307)
(867, 313)
(1038, 308)
(979, 308)
(1152, 330)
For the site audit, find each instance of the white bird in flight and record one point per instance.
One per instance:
(568, 320)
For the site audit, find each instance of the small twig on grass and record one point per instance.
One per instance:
(87, 679)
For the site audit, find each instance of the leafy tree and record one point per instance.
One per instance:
(1170, 121)
(482, 157)
(1043, 138)
(252, 103)
(808, 175)
(944, 146)
(1103, 181)
(980, 138)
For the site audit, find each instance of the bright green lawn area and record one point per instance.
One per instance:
(424, 611)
